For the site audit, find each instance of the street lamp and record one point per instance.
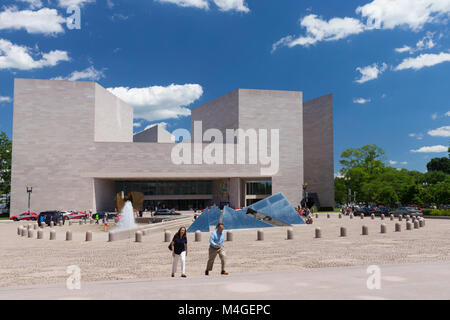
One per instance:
(347, 182)
(29, 191)
(305, 194)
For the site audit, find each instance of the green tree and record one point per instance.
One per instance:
(5, 164)
(439, 164)
(369, 157)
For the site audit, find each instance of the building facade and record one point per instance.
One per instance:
(74, 143)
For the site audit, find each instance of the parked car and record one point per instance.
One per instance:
(48, 216)
(75, 215)
(366, 211)
(407, 211)
(383, 210)
(166, 212)
(25, 216)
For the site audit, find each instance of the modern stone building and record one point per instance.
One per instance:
(73, 142)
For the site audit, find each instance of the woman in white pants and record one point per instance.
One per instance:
(179, 251)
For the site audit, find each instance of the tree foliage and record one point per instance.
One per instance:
(439, 164)
(376, 183)
(5, 163)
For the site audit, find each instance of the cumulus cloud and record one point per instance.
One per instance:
(423, 60)
(440, 132)
(45, 21)
(201, 4)
(14, 56)
(4, 99)
(68, 3)
(361, 100)
(33, 4)
(447, 114)
(391, 162)
(414, 14)
(232, 5)
(89, 73)
(419, 136)
(431, 149)
(371, 72)
(318, 29)
(157, 102)
(425, 43)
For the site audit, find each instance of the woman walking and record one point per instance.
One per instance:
(179, 251)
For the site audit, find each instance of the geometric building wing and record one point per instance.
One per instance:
(278, 207)
(236, 219)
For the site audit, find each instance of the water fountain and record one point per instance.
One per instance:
(126, 217)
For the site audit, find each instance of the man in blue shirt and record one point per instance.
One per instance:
(216, 248)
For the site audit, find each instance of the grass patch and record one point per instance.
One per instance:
(436, 212)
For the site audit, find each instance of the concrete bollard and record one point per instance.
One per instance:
(290, 234)
(328, 215)
(392, 217)
(23, 231)
(52, 224)
(362, 216)
(260, 235)
(340, 215)
(40, 234)
(167, 236)
(407, 218)
(35, 226)
(343, 232)
(43, 225)
(383, 228)
(400, 217)
(372, 216)
(365, 231)
(88, 235)
(68, 235)
(91, 221)
(52, 235)
(28, 227)
(70, 223)
(351, 215)
(144, 232)
(317, 216)
(318, 233)
(19, 231)
(111, 236)
(408, 225)
(31, 233)
(416, 224)
(60, 223)
(230, 235)
(138, 236)
(198, 236)
(398, 227)
(421, 223)
(382, 216)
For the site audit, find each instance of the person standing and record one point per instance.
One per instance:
(216, 248)
(179, 251)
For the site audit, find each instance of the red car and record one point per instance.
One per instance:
(75, 215)
(25, 216)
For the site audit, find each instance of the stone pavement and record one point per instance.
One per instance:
(428, 280)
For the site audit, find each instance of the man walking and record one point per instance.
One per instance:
(216, 248)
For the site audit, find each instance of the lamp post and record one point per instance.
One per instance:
(29, 191)
(347, 183)
(305, 194)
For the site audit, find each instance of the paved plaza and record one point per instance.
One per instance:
(275, 268)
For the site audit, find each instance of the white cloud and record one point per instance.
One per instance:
(201, 4)
(431, 149)
(137, 124)
(68, 3)
(4, 99)
(157, 102)
(162, 124)
(434, 116)
(87, 74)
(419, 136)
(425, 43)
(318, 29)
(440, 132)
(424, 60)
(371, 72)
(46, 21)
(232, 5)
(414, 14)
(361, 100)
(404, 163)
(392, 162)
(447, 114)
(33, 4)
(14, 56)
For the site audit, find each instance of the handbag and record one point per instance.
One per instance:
(170, 246)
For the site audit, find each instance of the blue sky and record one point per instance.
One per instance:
(387, 63)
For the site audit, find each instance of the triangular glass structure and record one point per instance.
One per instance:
(214, 215)
(201, 223)
(236, 219)
(278, 207)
